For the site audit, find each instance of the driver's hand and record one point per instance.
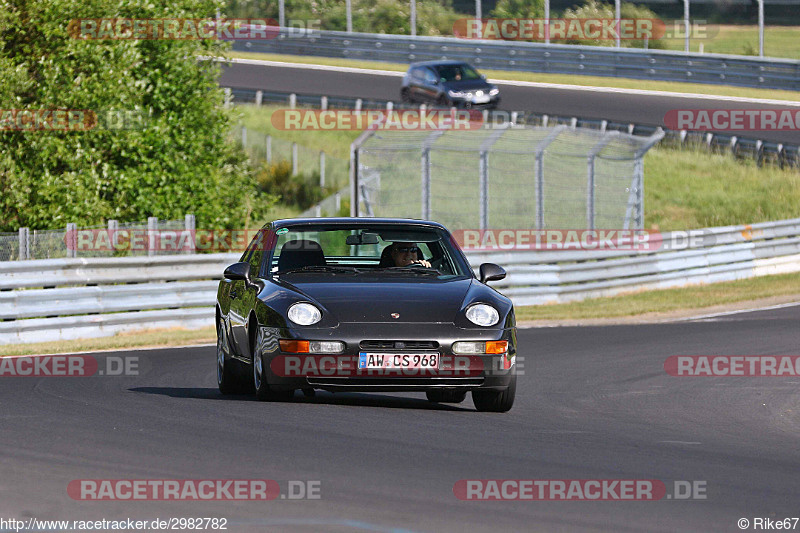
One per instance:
(422, 262)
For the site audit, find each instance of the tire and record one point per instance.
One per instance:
(229, 375)
(446, 396)
(405, 96)
(263, 391)
(493, 401)
(443, 102)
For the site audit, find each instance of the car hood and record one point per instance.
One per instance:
(468, 85)
(414, 300)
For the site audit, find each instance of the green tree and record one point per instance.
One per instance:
(593, 9)
(519, 9)
(181, 160)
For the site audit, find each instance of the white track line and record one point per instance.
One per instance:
(583, 88)
(738, 312)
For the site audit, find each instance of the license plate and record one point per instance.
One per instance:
(371, 360)
(481, 99)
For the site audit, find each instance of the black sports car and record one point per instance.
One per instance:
(448, 83)
(364, 304)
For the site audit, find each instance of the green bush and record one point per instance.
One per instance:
(300, 190)
(370, 16)
(593, 9)
(180, 162)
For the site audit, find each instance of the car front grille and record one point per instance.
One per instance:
(398, 345)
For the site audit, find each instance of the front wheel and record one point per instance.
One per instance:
(405, 96)
(229, 379)
(493, 401)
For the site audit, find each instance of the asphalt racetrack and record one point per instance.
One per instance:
(587, 103)
(593, 403)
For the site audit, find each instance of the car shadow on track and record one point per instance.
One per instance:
(340, 398)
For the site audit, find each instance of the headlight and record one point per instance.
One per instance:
(458, 94)
(494, 91)
(304, 314)
(483, 315)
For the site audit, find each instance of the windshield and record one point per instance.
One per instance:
(458, 73)
(365, 250)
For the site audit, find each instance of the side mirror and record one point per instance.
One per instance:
(491, 272)
(238, 272)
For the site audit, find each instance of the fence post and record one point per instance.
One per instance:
(269, 149)
(539, 172)
(292, 100)
(72, 239)
(228, 97)
(152, 228)
(24, 244)
(244, 137)
(259, 98)
(190, 231)
(389, 106)
(113, 237)
(338, 200)
(323, 103)
(294, 159)
(590, 182)
(358, 104)
(321, 169)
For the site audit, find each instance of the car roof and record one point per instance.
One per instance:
(347, 221)
(437, 63)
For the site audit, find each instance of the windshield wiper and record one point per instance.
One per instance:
(321, 268)
(410, 270)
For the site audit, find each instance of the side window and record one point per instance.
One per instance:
(418, 74)
(430, 77)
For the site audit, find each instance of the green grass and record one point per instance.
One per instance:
(595, 81)
(139, 339)
(666, 300)
(687, 189)
(779, 41)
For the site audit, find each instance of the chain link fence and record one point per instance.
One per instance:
(116, 239)
(504, 176)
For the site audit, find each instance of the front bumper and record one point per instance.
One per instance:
(340, 372)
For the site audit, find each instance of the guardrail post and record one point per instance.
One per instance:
(539, 173)
(292, 100)
(259, 98)
(321, 169)
(389, 106)
(152, 237)
(190, 231)
(323, 103)
(337, 198)
(294, 159)
(318, 211)
(269, 149)
(72, 239)
(358, 104)
(545, 118)
(113, 237)
(24, 244)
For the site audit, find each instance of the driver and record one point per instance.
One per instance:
(407, 253)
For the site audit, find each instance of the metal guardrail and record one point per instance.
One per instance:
(782, 154)
(60, 299)
(634, 63)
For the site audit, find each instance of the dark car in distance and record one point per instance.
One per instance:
(364, 304)
(448, 83)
